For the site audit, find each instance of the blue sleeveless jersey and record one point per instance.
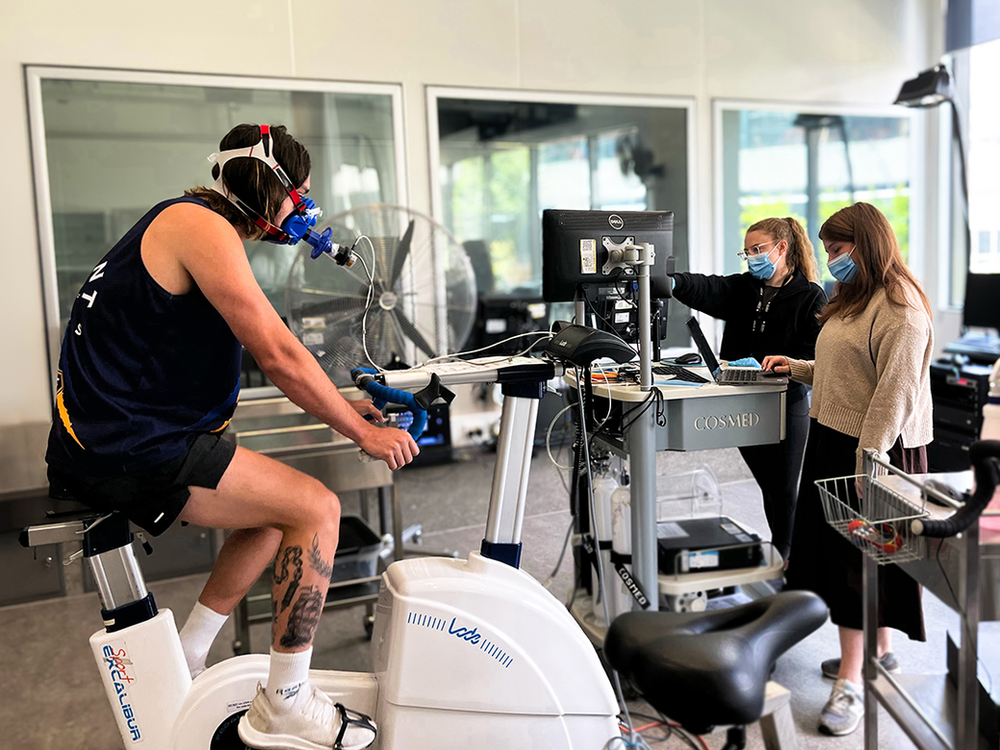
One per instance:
(142, 372)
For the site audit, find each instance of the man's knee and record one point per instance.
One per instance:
(271, 539)
(320, 509)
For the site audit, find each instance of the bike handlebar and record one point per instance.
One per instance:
(383, 394)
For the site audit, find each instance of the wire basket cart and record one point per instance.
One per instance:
(878, 521)
(935, 712)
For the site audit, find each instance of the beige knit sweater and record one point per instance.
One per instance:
(871, 375)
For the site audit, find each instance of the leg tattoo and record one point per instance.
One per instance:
(303, 618)
(317, 562)
(293, 557)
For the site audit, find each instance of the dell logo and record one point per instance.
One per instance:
(616, 221)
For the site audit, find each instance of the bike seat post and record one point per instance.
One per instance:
(510, 475)
(107, 548)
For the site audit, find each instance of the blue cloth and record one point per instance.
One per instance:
(745, 362)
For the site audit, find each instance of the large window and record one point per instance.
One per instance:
(110, 145)
(975, 73)
(500, 159)
(808, 164)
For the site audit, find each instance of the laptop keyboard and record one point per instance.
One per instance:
(678, 372)
(740, 376)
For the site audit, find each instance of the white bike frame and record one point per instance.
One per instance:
(465, 653)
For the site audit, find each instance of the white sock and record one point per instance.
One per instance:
(288, 674)
(198, 634)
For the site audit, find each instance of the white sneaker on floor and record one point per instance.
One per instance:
(313, 722)
(844, 711)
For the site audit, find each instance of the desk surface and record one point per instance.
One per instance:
(672, 390)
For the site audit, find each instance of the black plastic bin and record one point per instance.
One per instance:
(357, 552)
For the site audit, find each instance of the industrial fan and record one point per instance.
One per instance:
(410, 295)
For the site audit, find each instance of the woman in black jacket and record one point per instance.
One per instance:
(773, 305)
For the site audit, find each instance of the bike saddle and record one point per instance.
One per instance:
(705, 669)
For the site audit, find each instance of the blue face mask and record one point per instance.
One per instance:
(842, 267)
(761, 266)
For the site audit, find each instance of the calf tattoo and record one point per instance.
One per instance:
(303, 618)
(293, 557)
(316, 560)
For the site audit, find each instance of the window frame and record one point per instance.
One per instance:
(35, 74)
(917, 152)
(688, 104)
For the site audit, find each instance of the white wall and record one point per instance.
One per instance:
(849, 51)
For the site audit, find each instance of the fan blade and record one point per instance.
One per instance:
(402, 253)
(339, 304)
(412, 333)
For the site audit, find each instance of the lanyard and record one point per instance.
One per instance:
(764, 309)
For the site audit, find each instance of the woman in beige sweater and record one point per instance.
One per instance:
(871, 389)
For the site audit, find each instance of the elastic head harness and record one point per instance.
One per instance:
(263, 150)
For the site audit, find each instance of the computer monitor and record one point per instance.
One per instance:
(574, 252)
(982, 301)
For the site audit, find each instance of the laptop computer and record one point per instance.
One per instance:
(730, 375)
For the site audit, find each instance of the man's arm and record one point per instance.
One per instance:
(208, 248)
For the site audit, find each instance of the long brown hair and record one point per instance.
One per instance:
(800, 255)
(877, 257)
(252, 180)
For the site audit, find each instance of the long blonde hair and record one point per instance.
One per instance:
(878, 260)
(800, 255)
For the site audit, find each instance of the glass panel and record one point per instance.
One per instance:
(116, 149)
(504, 162)
(780, 163)
(984, 158)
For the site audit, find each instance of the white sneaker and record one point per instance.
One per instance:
(844, 711)
(313, 722)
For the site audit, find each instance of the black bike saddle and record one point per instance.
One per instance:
(705, 669)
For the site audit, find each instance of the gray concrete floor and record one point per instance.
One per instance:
(52, 699)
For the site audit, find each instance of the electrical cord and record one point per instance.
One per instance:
(632, 415)
(594, 310)
(681, 732)
(371, 297)
(548, 439)
(458, 355)
(608, 415)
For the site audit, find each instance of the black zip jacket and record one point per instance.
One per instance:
(753, 329)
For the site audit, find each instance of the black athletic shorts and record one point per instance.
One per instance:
(151, 500)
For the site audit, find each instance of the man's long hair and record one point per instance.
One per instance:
(252, 180)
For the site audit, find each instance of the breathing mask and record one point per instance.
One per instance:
(842, 267)
(298, 224)
(761, 266)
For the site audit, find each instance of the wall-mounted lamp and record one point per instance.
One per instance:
(929, 89)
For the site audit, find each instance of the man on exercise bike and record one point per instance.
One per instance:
(148, 381)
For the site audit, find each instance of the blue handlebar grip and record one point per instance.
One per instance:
(383, 394)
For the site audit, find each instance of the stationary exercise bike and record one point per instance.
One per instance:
(465, 653)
